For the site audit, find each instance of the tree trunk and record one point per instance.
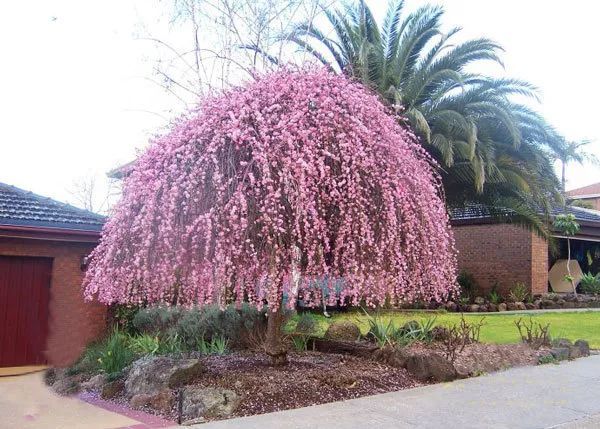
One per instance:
(569, 266)
(274, 345)
(563, 177)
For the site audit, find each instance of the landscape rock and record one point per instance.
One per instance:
(161, 401)
(202, 402)
(479, 300)
(473, 308)
(583, 347)
(94, 383)
(112, 389)
(502, 306)
(548, 304)
(562, 342)
(520, 306)
(430, 367)
(440, 333)
(342, 331)
(66, 386)
(150, 375)
(530, 306)
(451, 306)
(561, 353)
(492, 307)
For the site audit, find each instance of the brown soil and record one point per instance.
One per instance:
(312, 378)
(309, 378)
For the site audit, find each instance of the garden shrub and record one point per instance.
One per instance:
(216, 346)
(414, 330)
(519, 292)
(154, 320)
(183, 329)
(114, 353)
(533, 332)
(468, 285)
(122, 316)
(145, 344)
(307, 324)
(590, 283)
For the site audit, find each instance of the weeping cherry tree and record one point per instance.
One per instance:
(298, 178)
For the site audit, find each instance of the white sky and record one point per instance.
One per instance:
(75, 99)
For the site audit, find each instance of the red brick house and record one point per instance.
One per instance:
(501, 254)
(590, 194)
(43, 245)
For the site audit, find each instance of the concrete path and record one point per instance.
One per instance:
(26, 403)
(550, 396)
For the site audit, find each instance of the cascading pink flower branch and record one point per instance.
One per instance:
(300, 184)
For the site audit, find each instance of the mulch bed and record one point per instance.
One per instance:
(312, 378)
(309, 378)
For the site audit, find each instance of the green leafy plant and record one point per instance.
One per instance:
(590, 283)
(237, 325)
(300, 342)
(215, 346)
(218, 346)
(464, 300)
(547, 359)
(115, 353)
(415, 331)
(171, 344)
(307, 324)
(380, 331)
(122, 317)
(495, 297)
(468, 285)
(519, 292)
(145, 344)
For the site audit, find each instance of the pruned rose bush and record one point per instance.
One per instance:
(296, 177)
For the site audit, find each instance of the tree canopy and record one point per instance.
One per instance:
(492, 149)
(300, 175)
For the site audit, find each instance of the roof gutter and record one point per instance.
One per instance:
(46, 233)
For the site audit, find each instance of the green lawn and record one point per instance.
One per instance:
(499, 328)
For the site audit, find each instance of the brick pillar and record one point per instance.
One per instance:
(502, 254)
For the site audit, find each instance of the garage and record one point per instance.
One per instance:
(24, 297)
(44, 245)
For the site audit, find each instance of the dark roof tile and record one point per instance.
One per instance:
(23, 208)
(475, 212)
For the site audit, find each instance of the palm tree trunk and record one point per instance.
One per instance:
(563, 176)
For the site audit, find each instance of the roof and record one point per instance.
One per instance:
(585, 191)
(122, 171)
(472, 213)
(26, 209)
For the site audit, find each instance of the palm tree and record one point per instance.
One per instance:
(572, 151)
(467, 122)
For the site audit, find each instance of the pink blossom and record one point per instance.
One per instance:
(300, 172)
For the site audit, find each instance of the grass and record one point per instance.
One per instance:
(499, 328)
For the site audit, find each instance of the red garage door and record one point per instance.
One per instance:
(24, 295)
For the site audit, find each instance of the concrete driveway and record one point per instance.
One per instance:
(551, 396)
(26, 403)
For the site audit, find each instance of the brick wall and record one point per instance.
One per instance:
(502, 253)
(73, 323)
